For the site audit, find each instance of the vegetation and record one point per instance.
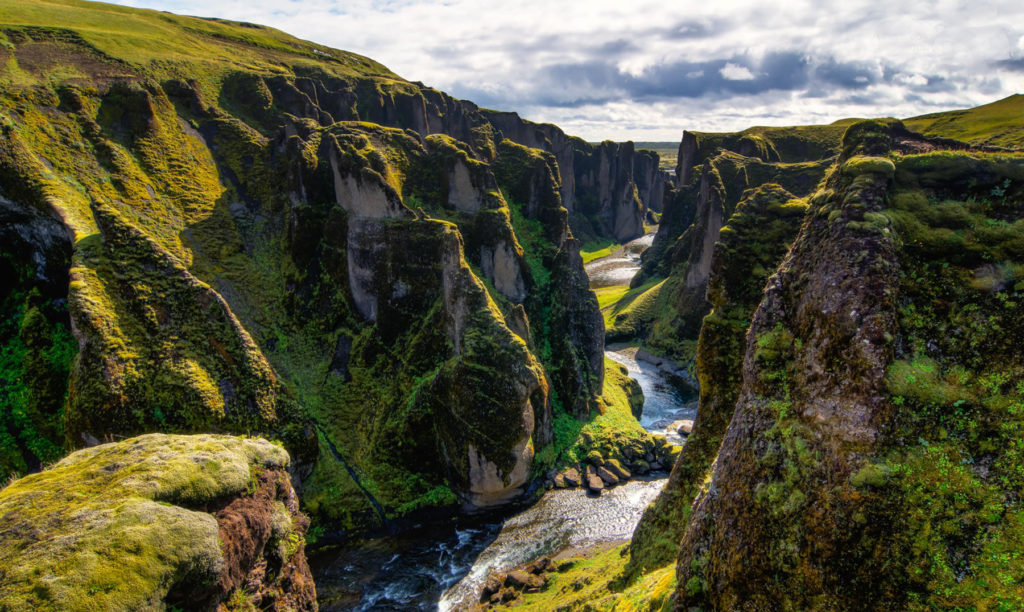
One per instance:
(121, 526)
(995, 124)
(210, 282)
(36, 350)
(583, 583)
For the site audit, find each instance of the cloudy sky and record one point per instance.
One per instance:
(645, 70)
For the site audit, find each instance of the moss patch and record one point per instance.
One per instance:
(114, 526)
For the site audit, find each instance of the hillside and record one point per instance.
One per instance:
(215, 226)
(1000, 123)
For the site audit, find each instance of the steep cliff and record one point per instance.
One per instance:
(36, 345)
(869, 386)
(157, 522)
(402, 302)
(752, 244)
(715, 172)
(607, 188)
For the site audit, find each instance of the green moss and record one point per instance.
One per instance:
(110, 527)
(584, 584)
(36, 351)
(861, 164)
(608, 431)
(871, 475)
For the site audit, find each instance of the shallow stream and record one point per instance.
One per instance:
(442, 565)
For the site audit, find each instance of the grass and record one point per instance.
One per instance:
(609, 296)
(635, 307)
(582, 583)
(154, 40)
(597, 248)
(998, 123)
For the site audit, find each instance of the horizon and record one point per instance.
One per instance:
(605, 72)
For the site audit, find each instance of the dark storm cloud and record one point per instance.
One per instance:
(1014, 64)
(848, 75)
(562, 84)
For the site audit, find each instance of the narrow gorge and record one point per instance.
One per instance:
(283, 330)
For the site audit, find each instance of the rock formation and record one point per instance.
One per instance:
(155, 522)
(238, 249)
(861, 394)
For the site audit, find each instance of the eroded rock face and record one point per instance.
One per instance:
(616, 184)
(35, 337)
(752, 244)
(501, 264)
(817, 350)
(156, 521)
(463, 196)
(819, 496)
(270, 261)
(364, 193)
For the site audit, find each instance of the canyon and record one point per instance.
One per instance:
(281, 328)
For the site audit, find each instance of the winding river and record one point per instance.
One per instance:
(441, 565)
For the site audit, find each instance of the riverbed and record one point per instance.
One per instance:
(620, 266)
(442, 565)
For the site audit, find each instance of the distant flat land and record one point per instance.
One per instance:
(667, 151)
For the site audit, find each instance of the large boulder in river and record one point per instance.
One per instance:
(156, 522)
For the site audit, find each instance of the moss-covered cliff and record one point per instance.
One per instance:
(714, 174)
(250, 233)
(752, 243)
(866, 423)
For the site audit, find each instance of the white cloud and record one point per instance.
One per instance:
(735, 72)
(648, 69)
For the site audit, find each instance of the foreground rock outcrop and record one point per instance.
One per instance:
(157, 522)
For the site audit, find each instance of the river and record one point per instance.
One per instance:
(441, 565)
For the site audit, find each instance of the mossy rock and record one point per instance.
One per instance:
(863, 164)
(124, 526)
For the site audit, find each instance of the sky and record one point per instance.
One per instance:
(646, 70)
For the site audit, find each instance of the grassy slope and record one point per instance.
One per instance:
(163, 41)
(175, 190)
(1000, 123)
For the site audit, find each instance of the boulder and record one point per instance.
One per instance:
(607, 476)
(683, 426)
(572, 478)
(491, 586)
(182, 519)
(616, 468)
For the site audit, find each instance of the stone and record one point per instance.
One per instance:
(517, 579)
(616, 468)
(558, 481)
(540, 565)
(607, 476)
(572, 478)
(594, 483)
(491, 586)
(683, 426)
